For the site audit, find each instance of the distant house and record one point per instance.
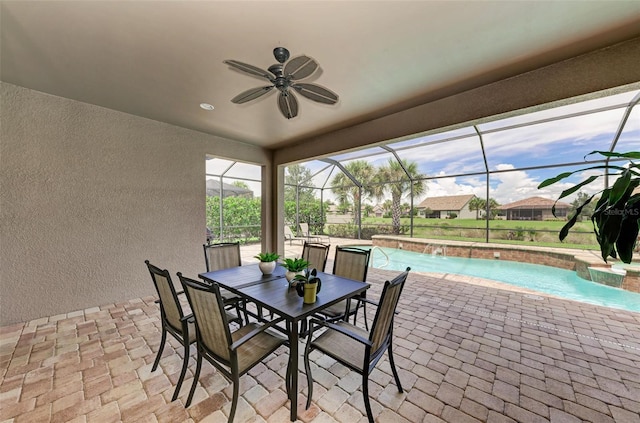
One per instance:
(533, 208)
(334, 216)
(228, 190)
(378, 210)
(444, 207)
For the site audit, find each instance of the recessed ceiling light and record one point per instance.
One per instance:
(206, 106)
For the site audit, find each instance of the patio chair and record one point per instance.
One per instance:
(352, 263)
(173, 319)
(316, 254)
(232, 353)
(220, 256)
(304, 229)
(289, 236)
(355, 347)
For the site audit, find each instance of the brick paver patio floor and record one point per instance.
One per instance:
(466, 351)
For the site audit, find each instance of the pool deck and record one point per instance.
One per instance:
(467, 349)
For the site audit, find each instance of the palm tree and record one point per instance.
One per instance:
(477, 204)
(387, 206)
(347, 191)
(492, 208)
(367, 209)
(393, 179)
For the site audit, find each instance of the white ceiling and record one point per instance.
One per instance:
(160, 60)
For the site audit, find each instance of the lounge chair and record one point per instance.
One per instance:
(289, 236)
(304, 228)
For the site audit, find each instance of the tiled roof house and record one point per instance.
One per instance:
(534, 208)
(443, 207)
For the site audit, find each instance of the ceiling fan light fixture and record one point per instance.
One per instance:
(283, 77)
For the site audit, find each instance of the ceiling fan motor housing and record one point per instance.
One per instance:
(281, 54)
(280, 81)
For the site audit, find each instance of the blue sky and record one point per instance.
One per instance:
(541, 144)
(508, 147)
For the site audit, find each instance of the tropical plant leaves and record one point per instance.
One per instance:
(620, 187)
(626, 155)
(565, 229)
(616, 217)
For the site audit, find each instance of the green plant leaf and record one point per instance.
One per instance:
(295, 264)
(267, 257)
(553, 180)
(576, 187)
(561, 176)
(628, 235)
(565, 229)
(620, 187)
(625, 155)
(611, 218)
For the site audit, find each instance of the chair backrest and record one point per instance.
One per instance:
(304, 228)
(351, 262)
(288, 233)
(222, 255)
(170, 308)
(212, 327)
(316, 254)
(382, 327)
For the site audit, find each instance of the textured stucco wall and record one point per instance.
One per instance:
(87, 194)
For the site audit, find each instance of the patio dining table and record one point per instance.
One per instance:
(272, 292)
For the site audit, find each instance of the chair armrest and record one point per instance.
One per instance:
(188, 318)
(365, 300)
(375, 303)
(253, 333)
(340, 329)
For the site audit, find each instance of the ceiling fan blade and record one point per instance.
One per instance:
(316, 93)
(250, 69)
(288, 104)
(251, 94)
(300, 67)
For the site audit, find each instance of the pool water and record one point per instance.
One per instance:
(560, 282)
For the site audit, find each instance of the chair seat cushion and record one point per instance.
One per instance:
(191, 327)
(341, 346)
(228, 295)
(255, 349)
(335, 310)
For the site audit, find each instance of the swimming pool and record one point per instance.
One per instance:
(551, 280)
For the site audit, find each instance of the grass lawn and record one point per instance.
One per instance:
(517, 232)
(552, 225)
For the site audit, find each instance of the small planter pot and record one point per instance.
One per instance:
(267, 267)
(309, 291)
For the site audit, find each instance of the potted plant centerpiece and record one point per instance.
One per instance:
(294, 267)
(267, 262)
(308, 285)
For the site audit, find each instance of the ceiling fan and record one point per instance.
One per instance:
(284, 77)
